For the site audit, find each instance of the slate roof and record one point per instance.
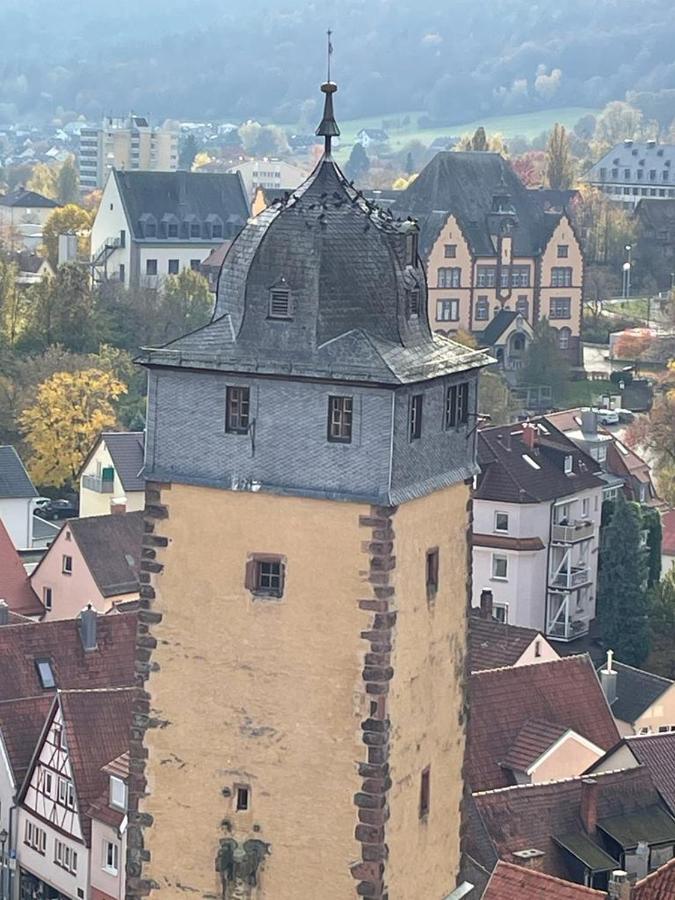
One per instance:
(21, 724)
(28, 261)
(21, 198)
(636, 691)
(111, 547)
(15, 587)
(656, 752)
(126, 450)
(534, 816)
(58, 641)
(344, 263)
(14, 479)
(652, 824)
(508, 476)
(656, 214)
(660, 885)
(465, 184)
(635, 155)
(184, 195)
(564, 692)
(496, 327)
(511, 882)
(493, 645)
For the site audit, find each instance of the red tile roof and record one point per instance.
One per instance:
(21, 724)
(510, 882)
(564, 692)
(15, 588)
(656, 752)
(493, 644)
(532, 741)
(110, 665)
(530, 816)
(660, 885)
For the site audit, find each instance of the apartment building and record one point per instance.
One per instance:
(492, 248)
(126, 143)
(267, 172)
(153, 224)
(536, 521)
(633, 170)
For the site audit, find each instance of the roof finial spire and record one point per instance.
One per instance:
(328, 128)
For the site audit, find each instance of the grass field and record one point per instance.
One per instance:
(527, 124)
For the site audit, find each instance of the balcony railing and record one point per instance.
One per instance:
(96, 483)
(568, 630)
(149, 281)
(575, 531)
(570, 579)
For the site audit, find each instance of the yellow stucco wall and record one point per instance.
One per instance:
(270, 693)
(563, 234)
(426, 696)
(450, 234)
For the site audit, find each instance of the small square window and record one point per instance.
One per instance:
(563, 251)
(195, 230)
(416, 402)
(500, 567)
(340, 416)
(265, 576)
(425, 792)
(195, 265)
(242, 797)
(238, 405)
(450, 251)
(172, 230)
(501, 522)
(432, 572)
(174, 266)
(500, 612)
(67, 565)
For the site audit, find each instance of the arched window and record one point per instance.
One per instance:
(564, 336)
(518, 342)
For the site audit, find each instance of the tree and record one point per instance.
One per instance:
(70, 218)
(188, 151)
(529, 167)
(62, 311)
(623, 604)
(479, 140)
(70, 410)
(358, 163)
(187, 303)
(631, 345)
(661, 659)
(559, 164)
(494, 398)
(604, 228)
(68, 182)
(544, 364)
(617, 122)
(43, 180)
(12, 303)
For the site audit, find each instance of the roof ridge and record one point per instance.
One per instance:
(102, 690)
(537, 874)
(618, 662)
(537, 665)
(579, 778)
(657, 872)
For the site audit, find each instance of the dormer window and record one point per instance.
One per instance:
(172, 230)
(118, 793)
(280, 303)
(214, 226)
(45, 673)
(149, 226)
(568, 465)
(195, 230)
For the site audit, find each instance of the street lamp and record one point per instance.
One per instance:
(626, 273)
(3, 840)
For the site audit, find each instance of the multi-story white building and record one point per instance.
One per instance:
(635, 169)
(269, 173)
(153, 224)
(126, 143)
(111, 475)
(536, 521)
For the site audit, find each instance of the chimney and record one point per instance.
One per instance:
(529, 435)
(608, 678)
(619, 887)
(530, 859)
(118, 506)
(589, 422)
(589, 804)
(486, 604)
(4, 612)
(88, 622)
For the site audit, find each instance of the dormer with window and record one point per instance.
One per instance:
(148, 225)
(118, 793)
(214, 227)
(170, 226)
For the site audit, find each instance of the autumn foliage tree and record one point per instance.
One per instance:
(632, 344)
(559, 162)
(69, 411)
(69, 218)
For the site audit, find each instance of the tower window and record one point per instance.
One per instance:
(242, 797)
(414, 302)
(280, 304)
(412, 243)
(67, 565)
(265, 576)
(416, 402)
(425, 792)
(238, 407)
(340, 416)
(457, 405)
(432, 572)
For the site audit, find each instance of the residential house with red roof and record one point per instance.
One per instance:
(536, 521)
(660, 885)
(641, 702)
(495, 645)
(656, 752)
(72, 805)
(515, 882)
(534, 723)
(15, 586)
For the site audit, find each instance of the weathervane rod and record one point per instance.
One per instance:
(330, 51)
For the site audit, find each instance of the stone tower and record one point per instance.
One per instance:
(306, 571)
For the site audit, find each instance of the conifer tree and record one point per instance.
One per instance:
(623, 604)
(544, 364)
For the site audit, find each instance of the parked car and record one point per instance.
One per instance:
(40, 502)
(57, 509)
(625, 416)
(607, 416)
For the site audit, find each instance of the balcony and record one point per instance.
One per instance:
(568, 579)
(572, 532)
(568, 629)
(98, 483)
(567, 618)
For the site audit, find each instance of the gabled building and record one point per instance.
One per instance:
(490, 245)
(112, 473)
(656, 752)
(497, 645)
(23, 207)
(153, 224)
(71, 822)
(536, 521)
(642, 703)
(17, 498)
(92, 561)
(536, 723)
(516, 882)
(633, 170)
(32, 267)
(15, 586)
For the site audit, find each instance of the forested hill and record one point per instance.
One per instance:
(454, 59)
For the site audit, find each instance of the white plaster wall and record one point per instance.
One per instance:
(44, 866)
(109, 222)
(17, 517)
(99, 877)
(94, 503)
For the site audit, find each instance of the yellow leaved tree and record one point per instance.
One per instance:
(70, 409)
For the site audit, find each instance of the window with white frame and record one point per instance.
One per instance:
(118, 793)
(111, 853)
(501, 521)
(569, 465)
(65, 856)
(500, 612)
(585, 506)
(66, 793)
(482, 313)
(500, 567)
(35, 837)
(447, 310)
(449, 277)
